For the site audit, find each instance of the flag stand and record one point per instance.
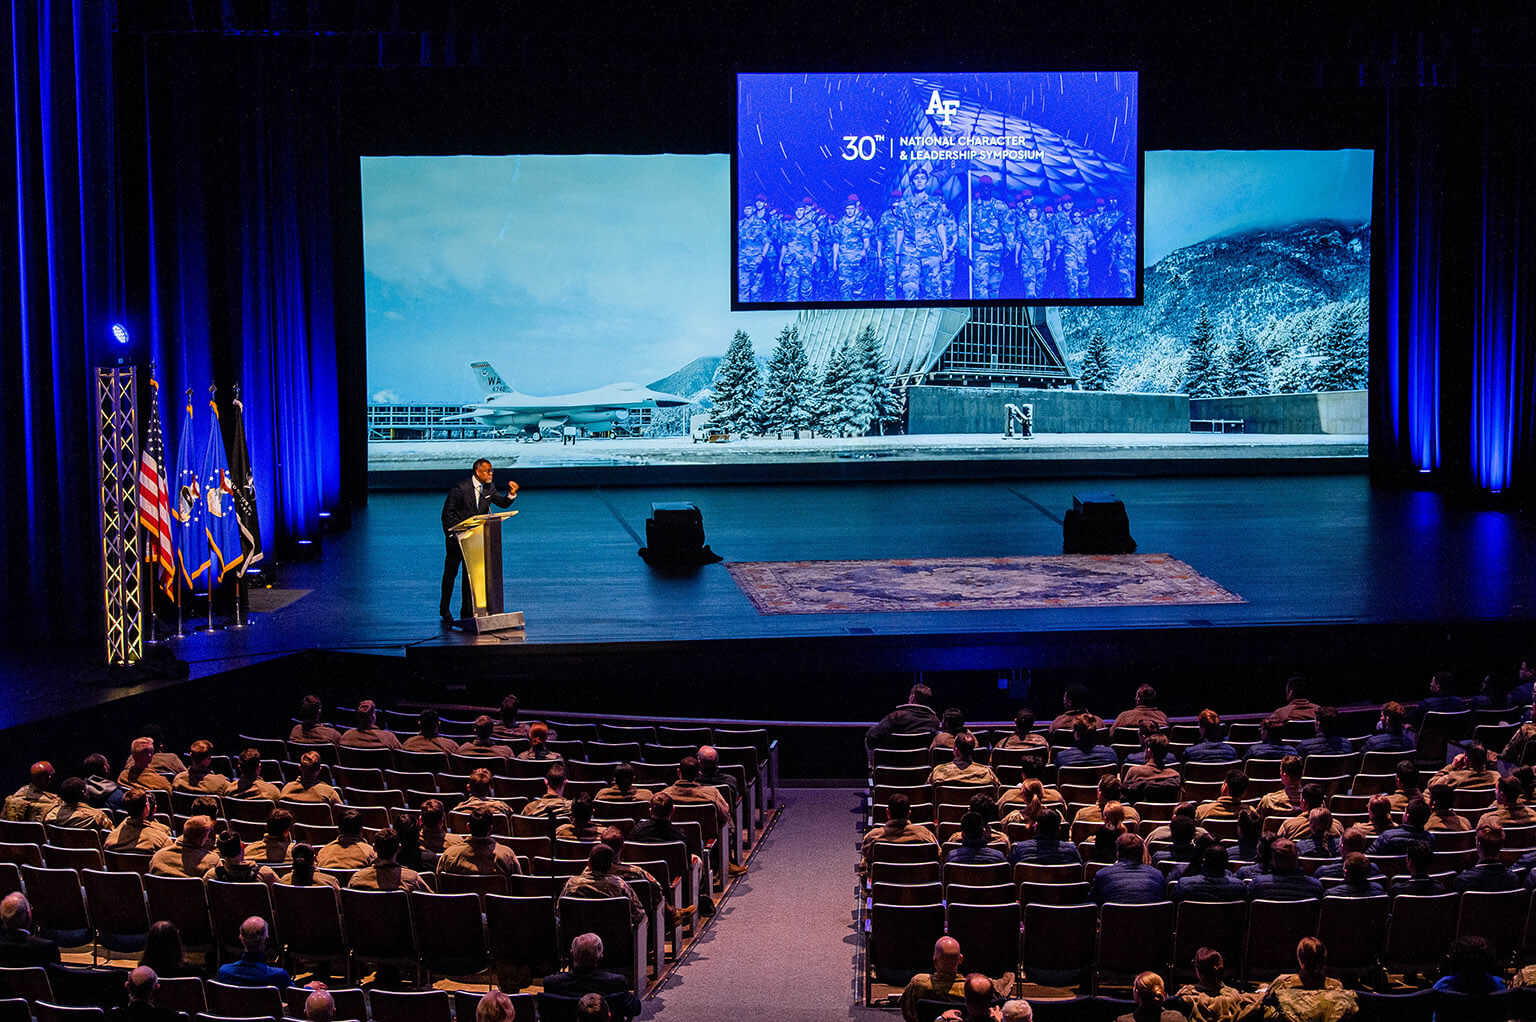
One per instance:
(238, 622)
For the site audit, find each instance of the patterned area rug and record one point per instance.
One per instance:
(963, 583)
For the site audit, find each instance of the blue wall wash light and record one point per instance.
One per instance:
(120, 332)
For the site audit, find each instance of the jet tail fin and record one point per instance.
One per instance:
(494, 384)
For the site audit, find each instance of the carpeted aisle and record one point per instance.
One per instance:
(783, 946)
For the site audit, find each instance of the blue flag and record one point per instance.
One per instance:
(187, 508)
(220, 521)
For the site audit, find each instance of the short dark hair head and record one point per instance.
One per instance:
(1417, 813)
(953, 721)
(965, 745)
(1157, 748)
(555, 777)
(478, 463)
(1210, 723)
(134, 804)
(898, 808)
(1395, 713)
(1271, 728)
(600, 859)
(1282, 853)
(973, 827)
(1237, 783)
(365, 713)
(1182, 830)
(613, 837)
(1328, 722)
(1215, 860)
(1209, 965)
(350, 822)
(509, 705)
(428, 722)
(661, 806)
(483, 727)
(624, 776)
(1313, 795)
(1249, 826)
(279, 823)
(1076, 696)
(249, 763)
(72, 790)
(921, 694)
(1510, 789)
(1291, 766)
(1049, 824)
(985, 806)
(433, 814)
(309, 709)
(1407, 775)
(228, 844)
(479, 782)
(688, 768)
(1420, 856)
(387, 843)
(581, 810)
(480, 822)
(1129, 848)
(1357, 868)
(1024, 720)
(96, 763)
(1477, 755)
(1146, 695)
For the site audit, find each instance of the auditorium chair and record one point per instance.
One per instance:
(233, 1001)
(410, 1006)
(351, 1003)
(624, 944)
(898, 872)
(30, 983)
(1496, 916)
(378, 929)
(185, 994)
(58, 906)
(900, 941)
(309, 919)
(888, 893)
(1059, 940)
(989, 933)
(1073, 893)
(46, 1012)
(640, 733)
(1436, 731)
(115, 905)
(406, 761)
(559, 1008)
(1214, 924)
(73, 837)
(1133, 939)
(15, 1009)
(1354, 930)
(1274, 930)
(56, 857)
(613, 752)
(131, 862)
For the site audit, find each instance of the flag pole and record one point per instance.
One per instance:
(213, 391)
(238, 622)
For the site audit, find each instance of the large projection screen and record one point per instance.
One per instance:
(515, 302)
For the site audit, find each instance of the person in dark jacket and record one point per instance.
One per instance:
(915, 716)
(1213, 882)
(1490, 873)
(142, 984)
(1285, 881)
(585, 977)
(19, 947)
(1129, 880)
(1046, 848)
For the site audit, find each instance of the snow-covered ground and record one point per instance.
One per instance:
(399, 455)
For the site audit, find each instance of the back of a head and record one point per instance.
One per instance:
(429, 722)
(953, 721)
(921, 695)
(624, 776)
(248, 766)
(480, 822)
(1210, 967)
(1148, 989)
(508, 711)
(1249, 825)
(1355, 839)
(1024, 721)
(1271, 728)
(365, 714)
(1313, 795)
(973, 828)
(1018, 1010)
(434, 815)
(483, 727)
(1146, 695)
(586, 951)
(1329, 723)
(1395, 714)
(613, 837)
(978, 995)
(1407, 775)
(661, 806)
(1215, 861)
(1109, 788)
(1357, 868)
(1049, 824)
(141, 983)
(72, 790)
(1237, 784)
(1477, 755)
(309, 710)
(688, 768)
(1379, 808)
(1181, 829)
(581, 810)
(309, 765)
(303, 858)
(1320, 821)
(386, 843)
(538, 733)
(1510, 790)
(195, 831)
(1471, 956)
(319, 1006)
(1420, 856)
(228, 845)
(1291, 768)
(1417, 813)
(1210, 724)
(1490, 839)
(965, 745)
(1157, 748)
(350, 823)
(1129, 848)
(15, 912)
(1075, 697)
(495, 1006)
(480, 782)
(600, 859)
(1311, 955)
(253, 934)
(554, 777)
(1282, 855)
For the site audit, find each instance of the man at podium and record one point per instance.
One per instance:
(473, 496)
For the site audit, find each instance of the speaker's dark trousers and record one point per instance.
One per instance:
(453, 564)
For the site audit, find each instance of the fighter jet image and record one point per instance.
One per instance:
(596, 411)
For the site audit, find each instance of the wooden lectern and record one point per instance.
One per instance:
(479, 538)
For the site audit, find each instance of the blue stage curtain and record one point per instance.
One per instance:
(59, 294)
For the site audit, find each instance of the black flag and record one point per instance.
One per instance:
(244, 492)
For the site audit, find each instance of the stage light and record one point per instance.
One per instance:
(120, 332)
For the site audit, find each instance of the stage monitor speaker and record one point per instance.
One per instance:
(674, 537)
(1097, 524)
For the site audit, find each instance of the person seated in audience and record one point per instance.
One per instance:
(711, 774)
(981, 1002)
(72, 809)
(366, 734)
(508, 726)
(1270, 745)
(275, 846)
(189, 854)
(1309, 994)
(1149, 993)
(1470, 968)
(1249, 827)
(1320, 841)
(1313, 796)
(480, 853)
(1179, 870)
(974, 843)
(658, 828)
(1514, 749)
(163, 760)
(1412, 828)
(1181, 837)
(1085, 749)
(435, 839)
(495, 1006)
(688, 789)
(646, 886)
(34, 800)
(598, 880)
(1129, 880)
(1212, 882)
(1074, 704)
(1510, 808)
(232, 867)
(1153, 780)
(100, 789)
(349, 850)
(623, 787)
(1164, 832)
(319, 1006)
(1297, 706)
(1144, 712)
(1110, 830)
(412, 855)
(248, 782)
(985, 806)
(585, 977)
(1421, 863)
(950, 725)
(1108, 791)
(385, 873)
(1392, 734)
(1286, 799)
(1378, 817)
(1358, 879)
(141, 985)
(1229, 803)
(1285, 881)
(913, 717)
(1526, 775)
(538, 747)
(308, 787)
(1407, 785)
(303, 872)
(962, 768)
(251, 968)
(1468, 769)
(1439, 700)
(199, 775)
(1211, 748)
(1492, 693)
(139, 831)
(427, 739)
(1355, 839)
(1024, 737)
(479, 790)
(1046, 848)
(897, 827)
(19, 946)
(309, 729)
(1263, 859)
(553, 802)
(211, 807)
(1330, 739)
(140, 774)
(484, 743)
(945, 982)
(1029, 791)
(1489, 873)
(580, 826)
(1525, 684)
(1210, 997)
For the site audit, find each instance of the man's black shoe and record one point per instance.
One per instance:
(448, 621)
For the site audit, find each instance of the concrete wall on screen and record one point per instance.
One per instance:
(1341, 412)
(982, 410)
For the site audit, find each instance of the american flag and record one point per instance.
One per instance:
(154, 500)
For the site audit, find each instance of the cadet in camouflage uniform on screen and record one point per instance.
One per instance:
(1032, 250)
(853, 242)
(1122, 258)
(989, 238)
(1077, 243)
(922, 241)
(797, 258)
(752, 246)
(890, 266)
(952, 236)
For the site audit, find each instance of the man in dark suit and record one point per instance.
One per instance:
(18, 947)
(142, 983)
(586, 978)
(473, 496)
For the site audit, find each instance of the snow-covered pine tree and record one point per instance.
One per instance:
(1200, 362)
(832, 417)
(866, 375)
(1098, 365)
(1247, 370)
(736, 386)
(1343, 365)
(789, 398)
(1291, 373)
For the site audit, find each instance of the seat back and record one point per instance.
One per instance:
(378, 925)
(115, 904)
(1353, 930)
(1133, 938)
(309, 918)
(623, 950)
(58, 907)
(1213, 924)
(991, 932)
(1059, 938)
(234, 1001)
(410, 1006)
(450, 932)
(232, 904)
(521, 933)
(1274, 930)
(901, 937)
(1420, 930)
(1496, 916)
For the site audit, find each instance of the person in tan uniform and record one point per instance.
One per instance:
(599, 881)
(1299, 826)
(309, 787)
(1286, 799)
(1073, 708)
(276, 846)
(367, 734)
(1407, 788)
(580, 827)
(1442, 810)
(72, 810)
(951, 723)
(1024, 737)
(384, 873)
(309, 729)
(1308, 993)
(428, 740)
(1298, 706)
(164, 761)
(349, 850)
(688, 789)
(945, 981)
(1468, 770)
(538, 749)
(480, 853)
(479, 789)
(484, 743)
(139, 831)
(553, 802)
(199, 776)
(1510, 808)
(1109, 790)
(435, 839)
(1378, 816)
(248, 782)
(898, 827)
(623, 787)
(140, 774)
(188, 855)
(304, 874)
(1210, 997)
(1153, 776)
(1144, 712)
(507, 725)
(232, 866)
(963, 769)
(1229, 803)
(33, 800)
(642, 883)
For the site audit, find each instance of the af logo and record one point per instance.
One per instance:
(944, 107)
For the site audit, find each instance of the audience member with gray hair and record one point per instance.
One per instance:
(586, 977)
(18, 946)
(251, 968)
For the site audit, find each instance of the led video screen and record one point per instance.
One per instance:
(855, 189)
(566, 311)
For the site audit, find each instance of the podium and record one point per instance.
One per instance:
(479, 539)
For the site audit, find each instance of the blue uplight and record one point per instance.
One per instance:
(120, 332)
